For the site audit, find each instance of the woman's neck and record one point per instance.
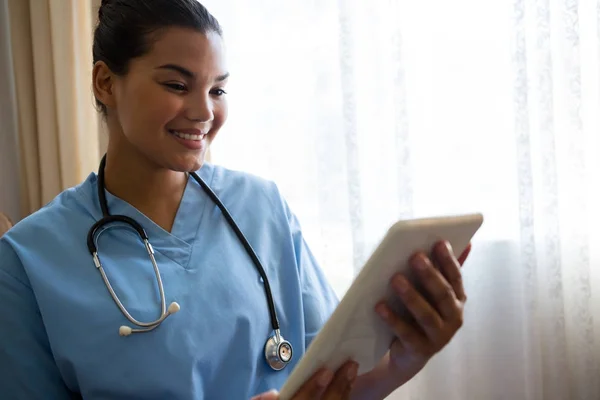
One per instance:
(155, 192)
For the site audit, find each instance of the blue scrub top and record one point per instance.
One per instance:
(59, 325)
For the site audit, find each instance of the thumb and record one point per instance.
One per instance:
(270, 395)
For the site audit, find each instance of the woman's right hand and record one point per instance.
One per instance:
(324, 385)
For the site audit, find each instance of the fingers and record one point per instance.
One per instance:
(341, 385)
(441, 293)
(270, 395)
(325, 385)
(438, 312)
(315, 386)
(450, 267)
(426, 316)
(408, 336)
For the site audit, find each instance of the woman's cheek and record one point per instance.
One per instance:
(164, 109)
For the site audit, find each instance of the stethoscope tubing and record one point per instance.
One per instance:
(107, 218)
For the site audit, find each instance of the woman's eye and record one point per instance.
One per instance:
(218, 92)
(176, 86)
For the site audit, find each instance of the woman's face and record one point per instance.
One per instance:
(171, 103)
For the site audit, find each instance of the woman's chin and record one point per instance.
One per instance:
(187, 163)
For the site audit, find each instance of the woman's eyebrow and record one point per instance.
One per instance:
(221, 78)
(177, 68)
(189, 74)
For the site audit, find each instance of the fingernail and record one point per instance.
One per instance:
(325, 378)
(448, 246)
(421, 262)
(352, 371)
(382, 311)
(401, 285)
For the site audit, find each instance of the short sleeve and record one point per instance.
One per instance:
(26, 361)
(318, 297)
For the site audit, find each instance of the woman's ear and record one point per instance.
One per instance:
(103, 81)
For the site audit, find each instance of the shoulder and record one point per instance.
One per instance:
(53, 225)
(230, 180)
(243, 188)
(75, 202)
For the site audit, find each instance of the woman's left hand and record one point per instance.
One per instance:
(435, 321)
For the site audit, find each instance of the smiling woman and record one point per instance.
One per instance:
(222, 247)
(178, 90)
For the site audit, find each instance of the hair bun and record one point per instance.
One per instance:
(103, 4)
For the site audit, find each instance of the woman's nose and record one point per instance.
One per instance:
(200, 109)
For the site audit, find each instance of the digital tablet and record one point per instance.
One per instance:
(355, 331)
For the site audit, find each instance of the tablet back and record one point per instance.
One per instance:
(355, 331)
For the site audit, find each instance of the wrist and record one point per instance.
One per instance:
(384, 379)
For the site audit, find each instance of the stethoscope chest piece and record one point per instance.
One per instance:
(278, 351)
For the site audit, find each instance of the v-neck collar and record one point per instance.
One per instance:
(176, 245)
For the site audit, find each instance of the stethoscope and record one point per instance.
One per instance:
(278, 351)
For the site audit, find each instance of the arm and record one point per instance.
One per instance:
(26, 361)
(318, 297)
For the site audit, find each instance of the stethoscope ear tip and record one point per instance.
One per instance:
(125, 330)
(173, 308)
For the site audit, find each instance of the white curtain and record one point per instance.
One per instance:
(368, 111)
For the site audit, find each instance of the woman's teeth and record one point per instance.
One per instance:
(187, 136)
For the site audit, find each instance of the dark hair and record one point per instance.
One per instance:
(124, 28)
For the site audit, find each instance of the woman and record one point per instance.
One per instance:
(159, 79)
